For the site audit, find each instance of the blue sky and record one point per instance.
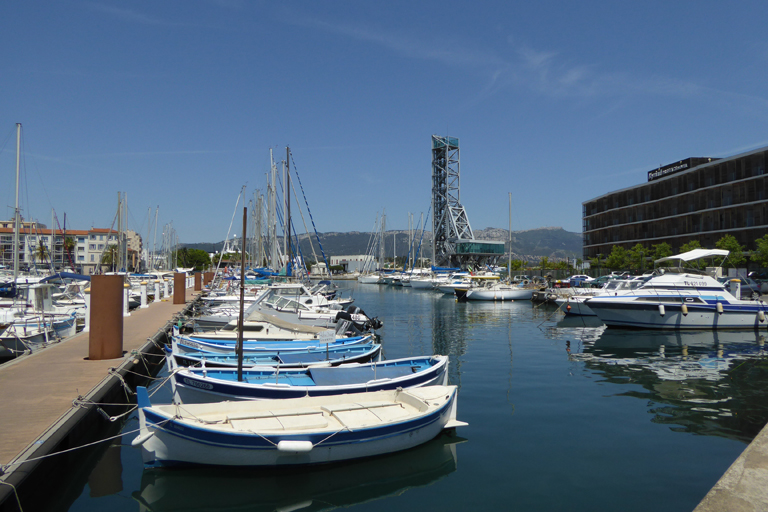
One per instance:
(177, 103)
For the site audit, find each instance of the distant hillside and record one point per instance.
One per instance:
(529, 245)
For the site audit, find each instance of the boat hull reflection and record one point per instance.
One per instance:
(309, 489)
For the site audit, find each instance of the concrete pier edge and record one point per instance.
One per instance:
(744, 486)
(80, 426)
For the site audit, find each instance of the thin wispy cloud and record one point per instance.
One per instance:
(543, 71)
(131, 16)
(124, 14)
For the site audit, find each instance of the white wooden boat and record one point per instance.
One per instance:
(326, 487)
(295, 431)
(197, 385)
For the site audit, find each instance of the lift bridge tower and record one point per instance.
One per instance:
(453, 243)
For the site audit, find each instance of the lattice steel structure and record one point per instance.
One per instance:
(453, 243)
(449, 219)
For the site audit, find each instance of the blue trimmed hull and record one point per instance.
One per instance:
(620, 312)
(167, 441)
(194, 387)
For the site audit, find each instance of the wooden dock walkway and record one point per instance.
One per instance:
(36, 390)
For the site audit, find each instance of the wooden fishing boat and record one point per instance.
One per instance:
(286, 359)
(195, 385)
(295, 431)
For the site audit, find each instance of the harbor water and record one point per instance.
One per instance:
(563, 415)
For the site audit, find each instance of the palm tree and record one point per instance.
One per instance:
(110, 256)
(41, 253)
(69, 246)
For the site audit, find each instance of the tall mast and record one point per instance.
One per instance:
(272, 236)
(16, 211)
(288, 248)
(285, 218)
(154, 241)
(509, 261)
(124, 260)
(381, 238)
(116, 254)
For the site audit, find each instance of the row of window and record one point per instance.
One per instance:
(745, 168)
(720, 220)
(737, 194)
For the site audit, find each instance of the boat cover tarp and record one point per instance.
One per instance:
(695, 255)
(445, 269)
(258, 316)
(339, 375)
(258, 281)
(66, 275)
(264, 272)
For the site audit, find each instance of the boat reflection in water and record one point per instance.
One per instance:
(323, 487)
(704, 382)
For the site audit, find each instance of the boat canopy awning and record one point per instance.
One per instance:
(66, 275)
(695, 255)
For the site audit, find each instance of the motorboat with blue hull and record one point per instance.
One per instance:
(294, 431)
(290, 359)
(195, 385)
(680, 299)
(186, 344)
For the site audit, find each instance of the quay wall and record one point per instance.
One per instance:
(93, 418)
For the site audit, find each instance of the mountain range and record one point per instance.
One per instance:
(528, 245)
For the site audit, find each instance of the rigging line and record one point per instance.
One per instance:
(234, 212)
(311, 218)
(423, 228)
(306, 230)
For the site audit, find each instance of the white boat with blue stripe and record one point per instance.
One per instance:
(187, 345)
(295, 431)
(196, 385)
(326, 356)
(678, 298)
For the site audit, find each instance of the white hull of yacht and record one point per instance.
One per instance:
(574, 306)
(667, 313)
(500, 294)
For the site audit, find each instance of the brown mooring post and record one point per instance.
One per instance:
(179, 288)
(207, 278)
(105, 338)
(198, 281)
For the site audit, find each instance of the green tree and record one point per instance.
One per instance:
(544, 263)
(197, 259)
(736, 257)
(760, 255)
(69, 246)
(617, 259)
(597, 263)
(110, 256)
(636, 257)
(41, 253)
(661, 250)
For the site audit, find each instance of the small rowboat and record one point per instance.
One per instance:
(295, 431)
(186, 345)
(287, 359)
(196, 385)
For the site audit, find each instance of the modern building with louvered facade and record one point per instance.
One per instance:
(694, 199)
